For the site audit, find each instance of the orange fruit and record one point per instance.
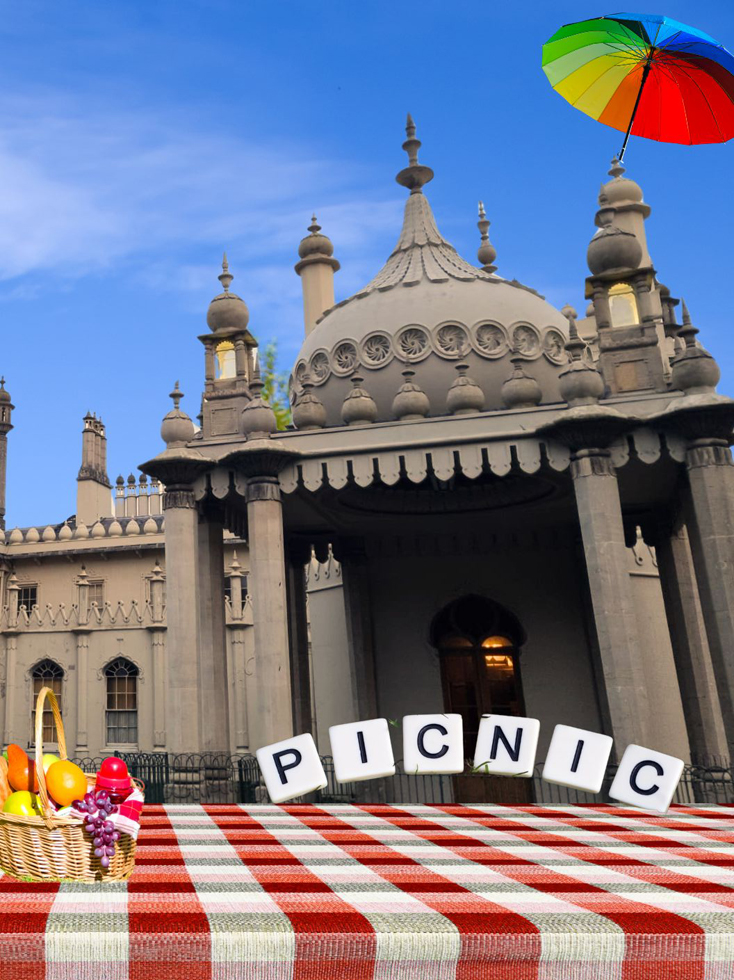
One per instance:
(65, 783)
(21, 771)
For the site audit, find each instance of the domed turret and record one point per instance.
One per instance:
(177, 428)
(611, 248)
(428, 309)
(227, 311)
(619, 190)
(581, 383)
(315, 243)
(258, 418)
(694, 370)
(4, 395)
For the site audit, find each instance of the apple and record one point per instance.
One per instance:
(23, 804)
(48, 760)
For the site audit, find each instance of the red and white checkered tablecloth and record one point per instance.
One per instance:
(393, 893)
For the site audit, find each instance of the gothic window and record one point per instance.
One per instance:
(121, 677)
(225, 365)
(28, 596)
(46, 673)
(623, 305)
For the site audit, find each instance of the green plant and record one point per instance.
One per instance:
(275, 385)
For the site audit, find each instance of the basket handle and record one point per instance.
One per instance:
(44, 693)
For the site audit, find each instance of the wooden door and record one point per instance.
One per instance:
(481, 679)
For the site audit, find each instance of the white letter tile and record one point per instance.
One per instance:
(433, 744)
(291, 768)
(577, 758)
(506, 745)
(646, 778)
(362, 750)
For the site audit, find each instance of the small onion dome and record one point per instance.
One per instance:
(4, 395)
(411, 401)
(620, 190)
(611, 248)
(359, 406)
(258, 418)
(227, 311)
(177, 428)
(464, 396)
(580, 382)
(308, 411)
(120, 481)
(590, 310)
(520, 390)
(315, 244)
(694, 370)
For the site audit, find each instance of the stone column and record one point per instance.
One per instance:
(212, 639)
(358, 612)
(82, 691)
(602, 532)
(11, 657)
(270, 613)
(239, 729)
(158, 656)
(711, 481)
(298, 637)
(240, 358)
(182, 532)
(693, 665)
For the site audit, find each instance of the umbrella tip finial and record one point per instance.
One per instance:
(415, 175)
(617, 168)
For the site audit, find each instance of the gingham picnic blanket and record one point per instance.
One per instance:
(393, 893)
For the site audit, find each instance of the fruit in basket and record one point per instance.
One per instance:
(65, 782)
(113, 779)
(23, 804)
(48, 760)
(21, 771)
(5, 789)
(96, 808)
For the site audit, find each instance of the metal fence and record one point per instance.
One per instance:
(221, 778)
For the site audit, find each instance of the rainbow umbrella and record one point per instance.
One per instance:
(647, 75)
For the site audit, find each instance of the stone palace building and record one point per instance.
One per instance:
(483, 504)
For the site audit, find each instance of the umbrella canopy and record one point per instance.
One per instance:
(645, 74)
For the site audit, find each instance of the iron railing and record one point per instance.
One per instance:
(222, 778)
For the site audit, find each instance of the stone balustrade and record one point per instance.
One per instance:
(108, 527)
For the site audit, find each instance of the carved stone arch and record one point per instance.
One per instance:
(121, 655)
(475, 617)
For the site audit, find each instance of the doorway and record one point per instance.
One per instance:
(479, 643)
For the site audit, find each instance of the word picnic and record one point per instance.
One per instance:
(506, 746)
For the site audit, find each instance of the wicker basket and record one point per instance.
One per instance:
(52, 848)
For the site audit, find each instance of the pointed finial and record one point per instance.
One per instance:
(225, 277)
(617, 168)
(687, 331)
(574, 345)
(234, 564)
(414, 176)
(314, 227)
(176, 395)
(486, 252)
(2, 383)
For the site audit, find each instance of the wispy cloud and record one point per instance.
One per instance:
(84, 190)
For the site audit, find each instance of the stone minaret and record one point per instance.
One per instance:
(93, 497)
(6, 412)
(316, 268)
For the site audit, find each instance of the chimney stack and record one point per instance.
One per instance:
(93, 498)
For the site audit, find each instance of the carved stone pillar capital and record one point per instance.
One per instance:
(592, 462)
(262, 488)
(181, 497)
(708, 452)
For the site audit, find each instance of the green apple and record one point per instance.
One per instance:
(48, 760)
(23, 804)
(5, 755)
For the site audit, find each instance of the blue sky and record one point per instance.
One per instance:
(138, 140)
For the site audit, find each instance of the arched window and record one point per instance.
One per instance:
(225, 367)
(121, 677)
(46, 673)
(478, 642)
(623, 305)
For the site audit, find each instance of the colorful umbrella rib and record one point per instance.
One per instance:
(645, 74)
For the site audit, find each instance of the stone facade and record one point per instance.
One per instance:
(482, 505)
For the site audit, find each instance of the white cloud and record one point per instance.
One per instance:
(84, 190)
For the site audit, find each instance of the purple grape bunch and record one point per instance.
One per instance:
(97, 809)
